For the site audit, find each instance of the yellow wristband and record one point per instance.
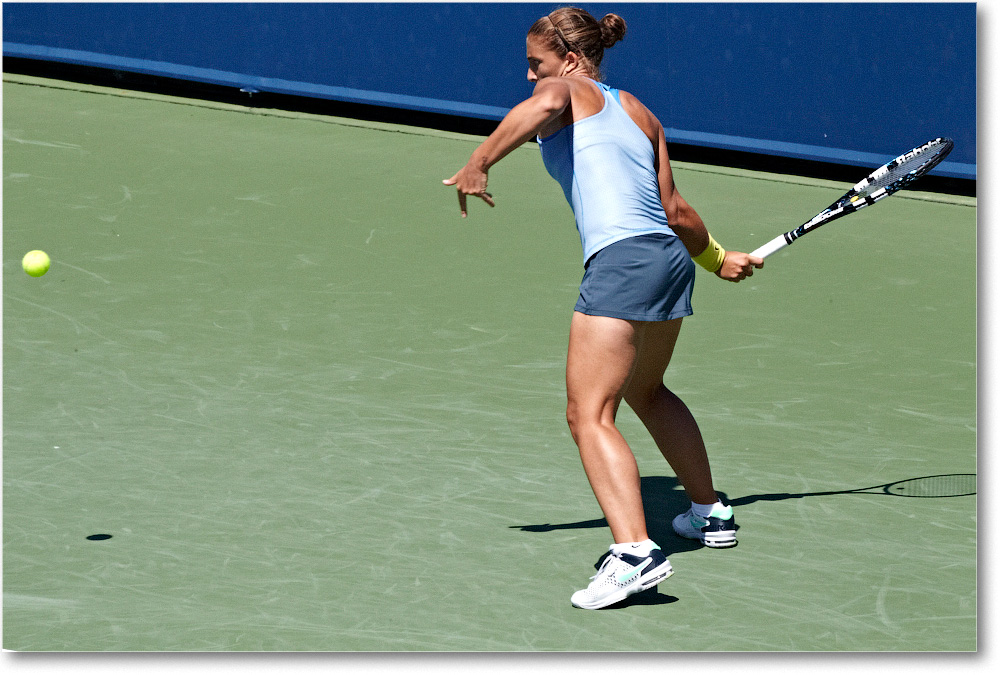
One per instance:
(713, 255)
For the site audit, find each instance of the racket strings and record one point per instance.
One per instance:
(907, 168)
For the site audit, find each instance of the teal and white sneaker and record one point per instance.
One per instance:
(716, 531)
(622, 575)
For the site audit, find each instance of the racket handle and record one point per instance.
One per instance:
(770, 247)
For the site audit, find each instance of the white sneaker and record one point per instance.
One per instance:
(622, 575)
(716, 531)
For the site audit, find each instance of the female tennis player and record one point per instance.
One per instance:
(639, 236)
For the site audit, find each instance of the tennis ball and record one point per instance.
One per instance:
(36, 263)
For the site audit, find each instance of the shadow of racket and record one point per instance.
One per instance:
(661, 495)
(924, 487)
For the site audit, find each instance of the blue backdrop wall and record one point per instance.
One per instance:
(851, 83)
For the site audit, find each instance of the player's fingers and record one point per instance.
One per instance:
(488, 198)
(461, 204)
(451, 181)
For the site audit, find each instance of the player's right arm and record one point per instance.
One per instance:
(548, 102)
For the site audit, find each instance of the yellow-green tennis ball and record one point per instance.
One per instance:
(36, 263)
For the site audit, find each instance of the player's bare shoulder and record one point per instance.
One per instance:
(587, 97)
(641, 115)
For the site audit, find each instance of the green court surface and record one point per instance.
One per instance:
(318, 411)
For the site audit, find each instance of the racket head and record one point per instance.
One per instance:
(943, 485)
(899, 173)
(880, 183)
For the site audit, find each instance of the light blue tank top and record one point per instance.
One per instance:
(604, 164)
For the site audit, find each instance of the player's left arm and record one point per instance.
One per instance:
(681, 216)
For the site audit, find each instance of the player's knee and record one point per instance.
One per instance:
(573, 417)
(642, 401)
(583, 418)
(645, 401)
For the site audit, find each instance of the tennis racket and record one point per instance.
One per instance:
(884, 181)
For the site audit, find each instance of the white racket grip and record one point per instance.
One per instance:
(770, 247)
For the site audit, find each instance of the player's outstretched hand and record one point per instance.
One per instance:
(470, 181)
(738, 266)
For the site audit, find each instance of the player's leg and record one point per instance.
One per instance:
(666, 417)
(601, 356)
(678, 437)
(600, 360)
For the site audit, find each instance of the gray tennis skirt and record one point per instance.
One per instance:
(649, 277)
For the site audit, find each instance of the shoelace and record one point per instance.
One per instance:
(607, 561)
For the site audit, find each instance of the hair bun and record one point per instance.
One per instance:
(612, 29)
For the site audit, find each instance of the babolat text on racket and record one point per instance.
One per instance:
(884, 181)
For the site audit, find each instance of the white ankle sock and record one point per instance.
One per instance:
(639, 548)
(704, 510)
